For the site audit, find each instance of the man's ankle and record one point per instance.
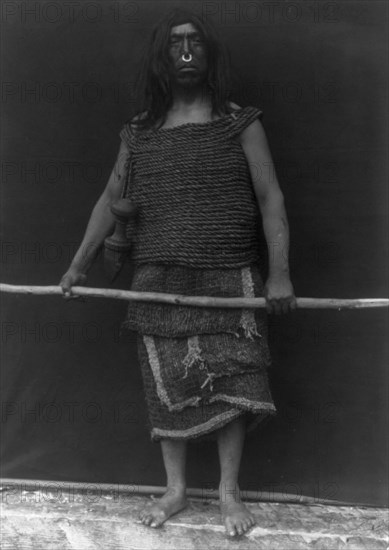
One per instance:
(229, 490)
(176, 487)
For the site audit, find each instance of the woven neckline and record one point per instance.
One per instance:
(231, 116)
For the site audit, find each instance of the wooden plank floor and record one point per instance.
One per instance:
(77, 521)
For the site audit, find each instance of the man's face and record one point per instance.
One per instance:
(186, 39)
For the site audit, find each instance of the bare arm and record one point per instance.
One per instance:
(278, 289)
(101, 224)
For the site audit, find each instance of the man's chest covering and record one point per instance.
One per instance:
(192, 186)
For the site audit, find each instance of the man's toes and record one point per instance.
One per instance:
(249, 524)
(148, 518)
(145, 513)
(239, 528)
(230, 527)
(246, 525)
(154, 523)
(158, 519)
(157, 522)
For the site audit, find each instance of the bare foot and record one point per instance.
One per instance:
(172, 502)
(237, 518)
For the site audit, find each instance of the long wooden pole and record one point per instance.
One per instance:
(16, 486)
(202, 301)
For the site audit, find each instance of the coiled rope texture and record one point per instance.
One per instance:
(193, 188)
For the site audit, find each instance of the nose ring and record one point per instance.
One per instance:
(187, 57)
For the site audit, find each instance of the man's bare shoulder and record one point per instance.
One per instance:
(253, 132)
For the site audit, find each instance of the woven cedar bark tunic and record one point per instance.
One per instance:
(196, 234)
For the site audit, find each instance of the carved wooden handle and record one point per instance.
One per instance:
(123, 210)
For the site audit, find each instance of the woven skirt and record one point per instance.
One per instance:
(201, 367)
(195, 385)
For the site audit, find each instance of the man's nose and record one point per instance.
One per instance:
(185, 45)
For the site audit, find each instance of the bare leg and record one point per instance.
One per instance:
(174, 500)
(236, 516)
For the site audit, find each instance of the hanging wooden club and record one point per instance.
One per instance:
(117, 245)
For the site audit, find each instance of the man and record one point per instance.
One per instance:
(198, 183)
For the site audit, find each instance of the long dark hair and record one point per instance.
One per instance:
(154, 95)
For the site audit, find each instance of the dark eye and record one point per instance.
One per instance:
(198, 40)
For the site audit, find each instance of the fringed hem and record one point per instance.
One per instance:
(201, 431)
(193, 359)
(250, 405)
(196, 431)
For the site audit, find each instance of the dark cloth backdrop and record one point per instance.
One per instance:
(72, 401)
